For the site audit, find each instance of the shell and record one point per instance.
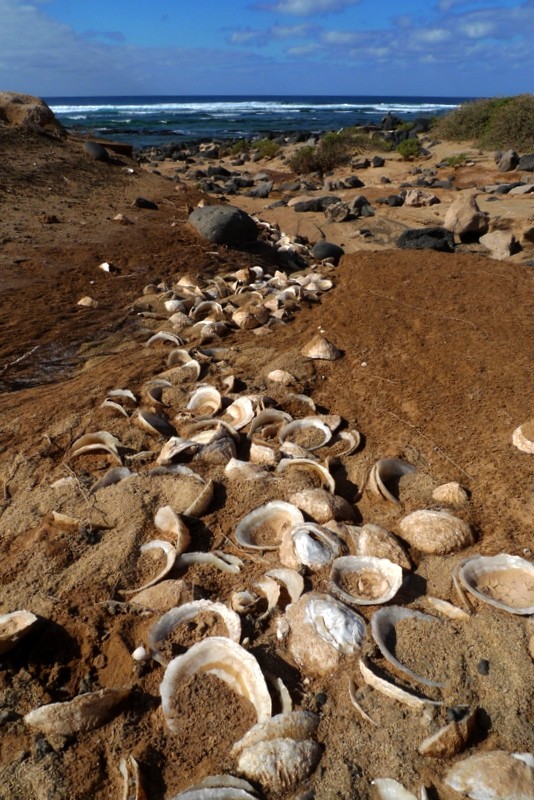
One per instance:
(237, 470)
(383, 629)
(503, 581)
(280, 765)
(163, 596)
(321, 348)
(450, 494)
(219, 787)
(174, 447)
(133, 789)
(310, 545)
(167, 521)
(353, 439)
(436, 532)
(281, 376)
(13, 627)
(171, 555)
(276, 517)
(204, 401)
(394, 692)
(226, 660)
(390, 789)
(313, 466)
(85, 713)
(301, 424)
(446, 608)
(494, 775)
(250, 316)
(384, 476)
(94, 442)
(113, 475)
(185, 613)
(152, 423)
(201, 504)
(378, 579)
(450, 739)
(267, 417)
(372, 540)
(290, 579)
(523, 437)
(261, 454)
(298, 725)
(240, 412)
(322, 506)
(164, 336)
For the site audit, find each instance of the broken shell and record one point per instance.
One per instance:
(250, 316)
(88, 302)
(182, 359)
(237, 470)
(446, 608)
(450, 739)
(167, 521)
(200, 505)
(174, 447)
(281, 376)
(243, 602)
(13, 627)
(383, 625)
(322, 506)
(296, 725)
(93, 442)
(450, 494)
(310, 465)
(240, 412)
(225, 562)
(353, 439)
(204, 401)
(164, 336)
(171, 555)
(85, 713)
(219, 787)
(292, 581)
(389, 789)
(491, 776)
(129, 769)
(310, 545)
(321, 348)
(279, 765)
(503, 581)
(372, 540)
(226, 660)
(112, 476)
(437, 532)
(384, 477)
(394, 692)
(298, 425)
(374, 580)
(184, 614)
(267, 417)
(261, 454)
(115, 406)
(523, 437)
(152, 423)
(269, 520)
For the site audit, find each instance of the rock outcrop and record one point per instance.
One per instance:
(465, 219)
(26, 111)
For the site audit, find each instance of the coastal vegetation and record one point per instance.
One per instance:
(409, 148)
(497, 122)
(335, 149)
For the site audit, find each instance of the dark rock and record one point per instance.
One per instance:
(142, 202)
(218, 172)
(426, 239)
(360, 163)
(358, 202)
(504, 188)
(377, 161)
(385, 179)
(395, 200)
(526, 163)
(367, 211)
(323, 250)
(262, 190)
(352, 182)
(96, 151)
(224, 224)
(483, 667)
(278, 204)
(338, 212)
(316, 203)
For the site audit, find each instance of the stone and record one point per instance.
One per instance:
(377, 161)
(313, 203)
(352, 182)
(526, 163)
(426, 239)
(508, 161)
(142, 202)
(96, 151)
(224, 224)
(501, 244)
(337, 212)
(324, 249)
(465, 219)
(25, 110)
(262, 190)
(525, 188)
(417, 198)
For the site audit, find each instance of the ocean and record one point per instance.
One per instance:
(152, 120)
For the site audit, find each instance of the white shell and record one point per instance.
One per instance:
(313, 466)
(446, 608)
(394, 692)
(379, 579)
(152, 423)
(237, 470)
(167, 521)
(384, 474)
(240, 412)
(494, 775)
(449, 739)
(281, 376)
(94, 442)
(268, 416)
(436, 532)
(523, 440)
(301, 424)
(226, 660)
(85, 713)
(277, 516)
(321, 348)
(219, 787)
(450, 494)
(293, 582)
(373, 540)
(132, 788)
(171, 555)
(204, 401)
(13, 627)
(310, 545)
(297, 725)
(322, 506)
(503, 581)
(389, 789)
(279, 765)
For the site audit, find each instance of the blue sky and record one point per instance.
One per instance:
(415, 47)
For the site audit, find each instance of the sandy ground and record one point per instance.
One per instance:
(436, 370)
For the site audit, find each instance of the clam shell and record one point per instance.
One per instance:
(94, 442)
(132, 789)
(274, 517)
(268, 416)
(309, 545)
(446, 608)
(240, 412)
(494, 775)
(200, 505)
(450, 494)
(167, 521)
(383, 625)
(204, 401)
(171, 555)
(523, 437)
(321, 348)
(437, 532)
(164, 336)
(378, 579)
(184, 614)
(300, 425)
(226, 660)
(174, 447)
(280, 765)
(113, 475)
(13, 627)
(450, 739)
(313, 466)
(322, 506)
(384, 476)
(261, 454)
(298, 725)
(281, 376)
(250, 316)
(219, 787)
(392, 691)
(390, 789)
(290, 579)
(237, 470)
(152, 423)
(502, 581)
(372, 540)
(85, 713)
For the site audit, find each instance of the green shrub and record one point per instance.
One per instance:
(266, 148)
(457, 160)
(497, 122)
(409, 148)
(304, 160)
(242, 146)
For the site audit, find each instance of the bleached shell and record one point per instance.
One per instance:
(219, 450)
(268, 416)
(494, 775)
(296, 725)
(85, 713)
(437, 532)
(132, 788)
(390, 789)
(447, 609)
(13, 627)
(185, 613)
(200, 504)
(384, 476)
(225, 659)
(170, 555)
(378, 579)
(313, 466)
(450, 494)
(219, 787)
(115, 407)
(521, 440)
(237, 470)
(277, 516)
(300, 425)
(167, 521)
(243, 602)
(250, 316)
(353, 439)
(204, 401)
(309, 545)
(279, 765)
(207, 309)
(164, 336)
(240, 412)
(291, 580)
(383, 625)
(153, 391)
(173, 447)
(321, 348)
(281, 376)
(503, 581)
(373, 540)
(385, 687)
(449, 740)
(152, 423)
(322, 506)
(112, 476)
(93, 442)
(262, 454)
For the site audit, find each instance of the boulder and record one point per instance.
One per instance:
(143, 202)
(263, 189)
(323, 250)
(27, 111)
(465, 219)
(524, 188)
(352, 182)
(526, 163)
(96, 151)
(426, 239)
(377, 161)
(338, 212)
(417, 198)
(314, 203)
(507, 161)
(501, 244)
(224, 224)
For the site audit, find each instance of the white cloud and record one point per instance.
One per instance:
(306, 8)
(477, 30)
(275, 32)
(432, 35)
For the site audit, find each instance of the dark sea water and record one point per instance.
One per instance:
(152, 120)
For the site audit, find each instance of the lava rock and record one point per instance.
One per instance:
(224, 224)
(96, 151)
(324, 249)
(426, 239)
(142, 202)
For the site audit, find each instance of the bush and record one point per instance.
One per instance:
(335, 150)
(409, 148)
(494, 123)
(241, 147)
(457, 160)
(266, 148)
(304, 160)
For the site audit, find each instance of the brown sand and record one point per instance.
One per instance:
(437, 369)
